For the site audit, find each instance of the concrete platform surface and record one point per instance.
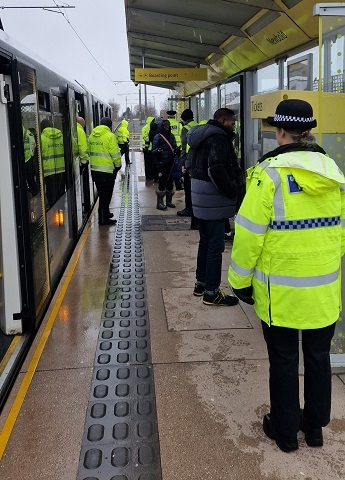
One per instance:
(210, 370)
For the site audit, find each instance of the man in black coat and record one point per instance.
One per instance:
(217, 186)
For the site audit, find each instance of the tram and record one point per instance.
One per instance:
(45, 201)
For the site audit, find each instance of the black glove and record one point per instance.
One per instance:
(244, 294)
(117, 169)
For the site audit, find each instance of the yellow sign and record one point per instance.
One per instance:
(170, 74)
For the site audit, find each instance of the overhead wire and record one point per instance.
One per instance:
(82, 41)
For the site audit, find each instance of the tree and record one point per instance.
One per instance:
(150, 112)
(115, 108)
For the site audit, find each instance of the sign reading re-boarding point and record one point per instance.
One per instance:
(170, 74)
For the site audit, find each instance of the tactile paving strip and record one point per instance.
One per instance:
(120, 439)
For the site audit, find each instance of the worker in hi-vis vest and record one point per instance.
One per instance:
(122, 136)
(105, 162)
(53, 158)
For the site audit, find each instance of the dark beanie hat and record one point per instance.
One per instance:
(187, 114)
(107, 122)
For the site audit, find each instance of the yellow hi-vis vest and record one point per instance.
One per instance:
(104, 151)
(289, 239)
(82, 145)
(123, 132)
(145, 131)
(176, 130)
(52, 151)
(188, 126)
(29, 144)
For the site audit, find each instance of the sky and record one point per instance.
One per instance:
(88, 43)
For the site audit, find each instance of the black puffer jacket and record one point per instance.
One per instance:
(160, 149)
(217, 179)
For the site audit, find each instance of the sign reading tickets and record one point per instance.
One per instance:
(170, 74)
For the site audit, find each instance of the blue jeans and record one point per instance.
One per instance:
(211, 247)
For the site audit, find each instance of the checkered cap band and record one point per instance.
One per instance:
(290, 118)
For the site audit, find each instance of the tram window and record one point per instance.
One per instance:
(53, 152)
(43, 100)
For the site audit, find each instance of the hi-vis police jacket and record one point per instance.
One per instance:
(289, 239)
(104, 151)
(52, 151)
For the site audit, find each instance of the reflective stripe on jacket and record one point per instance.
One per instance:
(289, 239)
(104, 151)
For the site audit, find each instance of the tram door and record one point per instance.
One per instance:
(75, 157)
(10, 291)
(29, 162)
(80, 170)
(24, 285)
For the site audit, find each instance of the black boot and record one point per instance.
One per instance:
(170, 194)
(160, 200)
(178, 184)
(103, 219)
(186, 212)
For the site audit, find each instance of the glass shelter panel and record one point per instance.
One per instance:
(333, 139)
(233, 101)
(268, 78)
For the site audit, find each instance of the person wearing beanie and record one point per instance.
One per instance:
(187, 120)
(286, 261)
(105, 162)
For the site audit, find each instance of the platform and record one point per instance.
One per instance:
(203, 370)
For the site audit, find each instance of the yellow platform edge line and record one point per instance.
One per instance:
(19, 399)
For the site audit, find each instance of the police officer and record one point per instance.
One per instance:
(286, 258)
(105, 162)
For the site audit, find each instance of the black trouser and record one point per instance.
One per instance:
(283, 348)
(124, 147)
(187, 190)
(105, 192)
(148, 164)
(165, 180)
